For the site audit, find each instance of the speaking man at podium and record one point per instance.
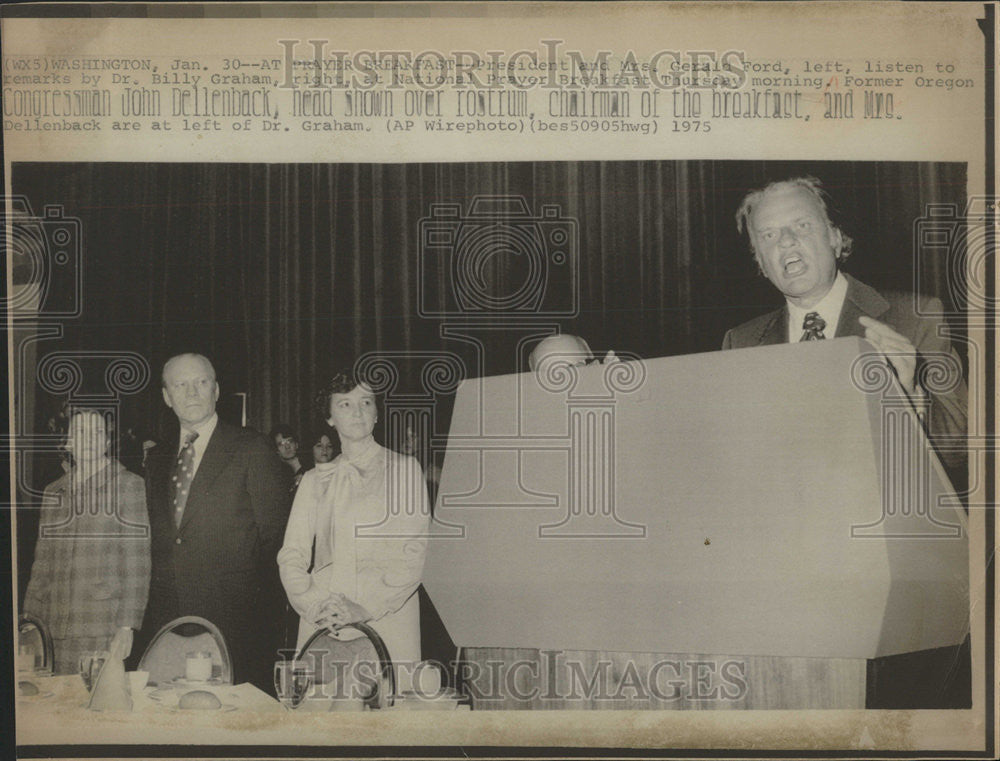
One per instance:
(800, 250)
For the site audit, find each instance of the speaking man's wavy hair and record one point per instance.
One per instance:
(810, 184)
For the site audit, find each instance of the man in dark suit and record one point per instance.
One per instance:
(799, 250)
(218, 503)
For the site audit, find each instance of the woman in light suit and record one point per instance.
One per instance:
(366, 516)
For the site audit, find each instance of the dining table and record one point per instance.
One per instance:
(59, 715)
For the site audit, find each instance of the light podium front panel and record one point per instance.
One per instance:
(729, 502)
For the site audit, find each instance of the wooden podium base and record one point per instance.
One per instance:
(523, 679)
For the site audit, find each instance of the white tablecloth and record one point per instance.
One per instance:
(59, 716)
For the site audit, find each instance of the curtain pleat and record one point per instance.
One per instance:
(283, 273)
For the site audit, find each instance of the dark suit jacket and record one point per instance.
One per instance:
(220, 563)
(947, 416)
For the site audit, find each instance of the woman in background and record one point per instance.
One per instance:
(323, 447)
(286, 443)
(90, 575)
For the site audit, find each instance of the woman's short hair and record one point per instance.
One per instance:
(342, 382)
(106, 417)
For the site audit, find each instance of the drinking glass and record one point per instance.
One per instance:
(292, 682)
(26, 658)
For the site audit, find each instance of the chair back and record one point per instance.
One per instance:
(35, 642)
(166, 656)
(331, 657)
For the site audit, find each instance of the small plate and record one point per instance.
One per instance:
(224, 708)
(39, 696)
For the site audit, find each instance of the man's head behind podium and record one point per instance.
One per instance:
(567, 348)
(795, 244)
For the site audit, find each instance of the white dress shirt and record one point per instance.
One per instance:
(828, 308)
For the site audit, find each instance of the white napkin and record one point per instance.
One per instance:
(111, 689)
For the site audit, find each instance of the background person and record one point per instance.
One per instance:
(286, 443)
(323, 444)
(566, 347)
(90, 575)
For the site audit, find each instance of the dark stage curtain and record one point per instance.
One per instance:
(281, 273)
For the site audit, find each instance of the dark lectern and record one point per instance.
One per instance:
(733, 529)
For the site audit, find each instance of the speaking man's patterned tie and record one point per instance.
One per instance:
(183, 475)
(812, 327)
